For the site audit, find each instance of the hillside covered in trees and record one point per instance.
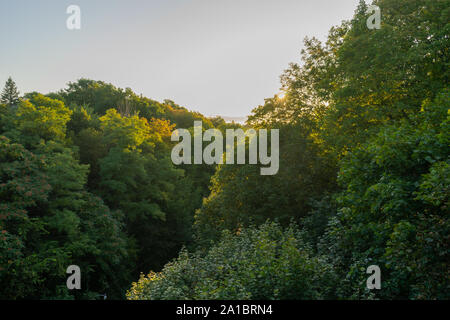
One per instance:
(86, 178)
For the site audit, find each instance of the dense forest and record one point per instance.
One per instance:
(86, 178)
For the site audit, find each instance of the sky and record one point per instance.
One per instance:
(217, 57)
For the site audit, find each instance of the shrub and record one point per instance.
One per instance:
(267, 262)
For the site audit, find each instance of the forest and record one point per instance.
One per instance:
(86, 178)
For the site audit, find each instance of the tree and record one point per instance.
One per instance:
(37, 119)
(393, 210)
(48, 222)
(137, 177)
(23, 187)
(10, 94)
(369, 78)
(240, 194)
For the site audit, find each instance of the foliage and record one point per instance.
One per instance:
(36, 119)
(241, 195)
(267, 262)
(393, 211)
(49, 222)
(86, 178)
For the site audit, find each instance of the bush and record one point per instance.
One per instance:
(267, 262)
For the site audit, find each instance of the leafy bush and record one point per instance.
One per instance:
(267, 262)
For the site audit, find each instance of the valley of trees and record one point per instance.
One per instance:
(86, 178)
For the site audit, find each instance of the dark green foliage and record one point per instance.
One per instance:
(23, 187)
(49, 222)
(393, 211)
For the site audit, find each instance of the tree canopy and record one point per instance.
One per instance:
(86, 178)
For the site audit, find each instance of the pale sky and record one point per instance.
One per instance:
(218, 57)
